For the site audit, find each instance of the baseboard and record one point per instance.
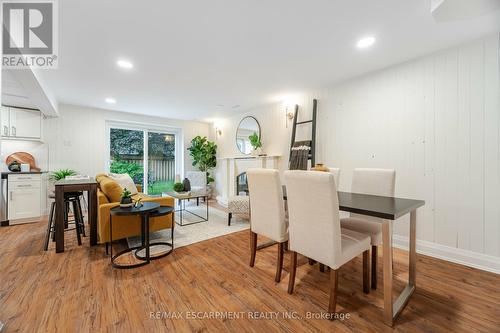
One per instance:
(459, 256)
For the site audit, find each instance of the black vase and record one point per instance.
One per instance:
(15, 166)
(187, 185)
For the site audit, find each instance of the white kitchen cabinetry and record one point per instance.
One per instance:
(19, 123)
(4, 117)
(24, 198)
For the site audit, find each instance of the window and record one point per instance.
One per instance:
(150, 156)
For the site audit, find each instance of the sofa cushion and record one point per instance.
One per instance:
(125, 181)
(111, 189)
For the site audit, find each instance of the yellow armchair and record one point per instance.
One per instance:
(127, 226)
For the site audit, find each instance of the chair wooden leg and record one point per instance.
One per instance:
(374, 267)
(80, 212)
(321, 268)
(279, 263)
(334, 282)
(229, 216)
(50, 226)
(366, 272)
(293, 270)
(66, 213)
(77, 223)
(253, 247)
(107, 248)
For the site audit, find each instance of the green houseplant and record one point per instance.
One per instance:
(204, 154)
(178, 187)
(255, 140)
(126, 200)
(61, 174)
(256, 143)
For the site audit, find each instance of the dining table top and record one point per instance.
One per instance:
(84, 181)
(390, 208)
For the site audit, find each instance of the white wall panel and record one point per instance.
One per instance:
(491, 147)
(436, 120)
(77, 138)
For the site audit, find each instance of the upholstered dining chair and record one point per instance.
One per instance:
(376, 182)
(336, 175)
(267, 212)
(314, 228)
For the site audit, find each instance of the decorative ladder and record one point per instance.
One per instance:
(312, 152)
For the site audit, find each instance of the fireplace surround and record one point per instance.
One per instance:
(228, 170)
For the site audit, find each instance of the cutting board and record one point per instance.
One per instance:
(22, 157)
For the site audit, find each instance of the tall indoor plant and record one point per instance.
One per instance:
(203, 153)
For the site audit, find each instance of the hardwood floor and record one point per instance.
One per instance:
(78, 291)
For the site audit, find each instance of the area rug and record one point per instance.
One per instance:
(189, 234)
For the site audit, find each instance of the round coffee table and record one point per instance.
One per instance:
(147, 210)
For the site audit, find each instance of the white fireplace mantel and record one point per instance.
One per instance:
(230, 167)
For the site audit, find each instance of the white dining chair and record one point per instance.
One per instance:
(376, 182)
(314, 228)
(336, 175)
(267, 212)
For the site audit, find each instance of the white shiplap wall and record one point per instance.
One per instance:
(436, 120)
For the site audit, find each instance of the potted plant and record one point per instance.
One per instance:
(179, 187)
(126, 200)
(204, 155)
(256, 143)
(61, 174)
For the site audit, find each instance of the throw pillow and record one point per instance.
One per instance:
(125, 181)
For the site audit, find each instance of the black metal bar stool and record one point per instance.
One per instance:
(70, 199)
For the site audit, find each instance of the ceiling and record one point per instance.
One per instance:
(200, 59)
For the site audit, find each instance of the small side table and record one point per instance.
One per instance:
(147, 210)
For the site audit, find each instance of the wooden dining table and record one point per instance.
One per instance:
(76, 185)
(390, 209)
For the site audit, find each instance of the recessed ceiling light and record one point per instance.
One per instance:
(125, 64)
(110, 100)
(365, 42)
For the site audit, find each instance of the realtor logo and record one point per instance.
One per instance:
(29, 34)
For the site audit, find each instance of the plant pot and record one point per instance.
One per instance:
(256, 152)
(126, 202)
(210, 189)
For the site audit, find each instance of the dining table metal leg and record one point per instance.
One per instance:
(393, 309)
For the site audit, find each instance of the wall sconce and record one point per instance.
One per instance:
(218, 130)
(289, 113)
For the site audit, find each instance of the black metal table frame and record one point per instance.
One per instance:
(145, 243)
(182, 206)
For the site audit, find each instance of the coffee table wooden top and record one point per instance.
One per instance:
(187, 195)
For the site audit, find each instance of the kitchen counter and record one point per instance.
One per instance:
(5, 173)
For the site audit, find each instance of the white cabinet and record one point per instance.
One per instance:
(25, 123)
(24, 198)
(21, 123)
(5, 120)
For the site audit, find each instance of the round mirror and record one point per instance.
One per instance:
(248, 126)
